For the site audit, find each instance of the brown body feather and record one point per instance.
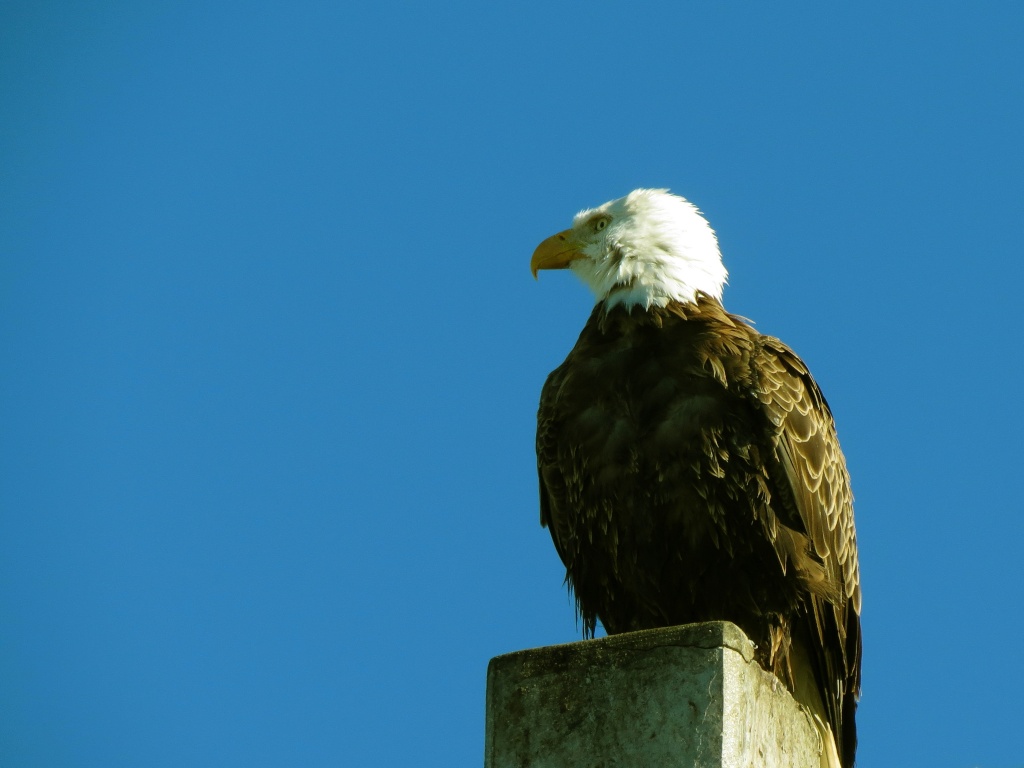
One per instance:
(690, 471)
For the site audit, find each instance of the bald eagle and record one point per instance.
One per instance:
(689, 465)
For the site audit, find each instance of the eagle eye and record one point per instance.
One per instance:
(600, 224)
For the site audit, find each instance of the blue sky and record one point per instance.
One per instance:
(271, 351)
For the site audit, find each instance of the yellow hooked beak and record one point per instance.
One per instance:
(556, 252)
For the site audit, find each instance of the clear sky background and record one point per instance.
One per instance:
(270, 351)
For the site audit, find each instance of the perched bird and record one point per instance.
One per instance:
(689, 465)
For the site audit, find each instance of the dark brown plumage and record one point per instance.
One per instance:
(690, 471)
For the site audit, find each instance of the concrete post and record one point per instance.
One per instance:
(681, 696)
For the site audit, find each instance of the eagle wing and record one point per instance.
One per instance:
(552, 481)
(810, 471)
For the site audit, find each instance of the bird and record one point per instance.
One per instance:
(689, 465)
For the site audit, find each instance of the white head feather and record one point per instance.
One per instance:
(647, 249)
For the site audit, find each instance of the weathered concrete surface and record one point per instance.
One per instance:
(682, 696)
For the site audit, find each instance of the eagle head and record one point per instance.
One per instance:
(645, 249)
